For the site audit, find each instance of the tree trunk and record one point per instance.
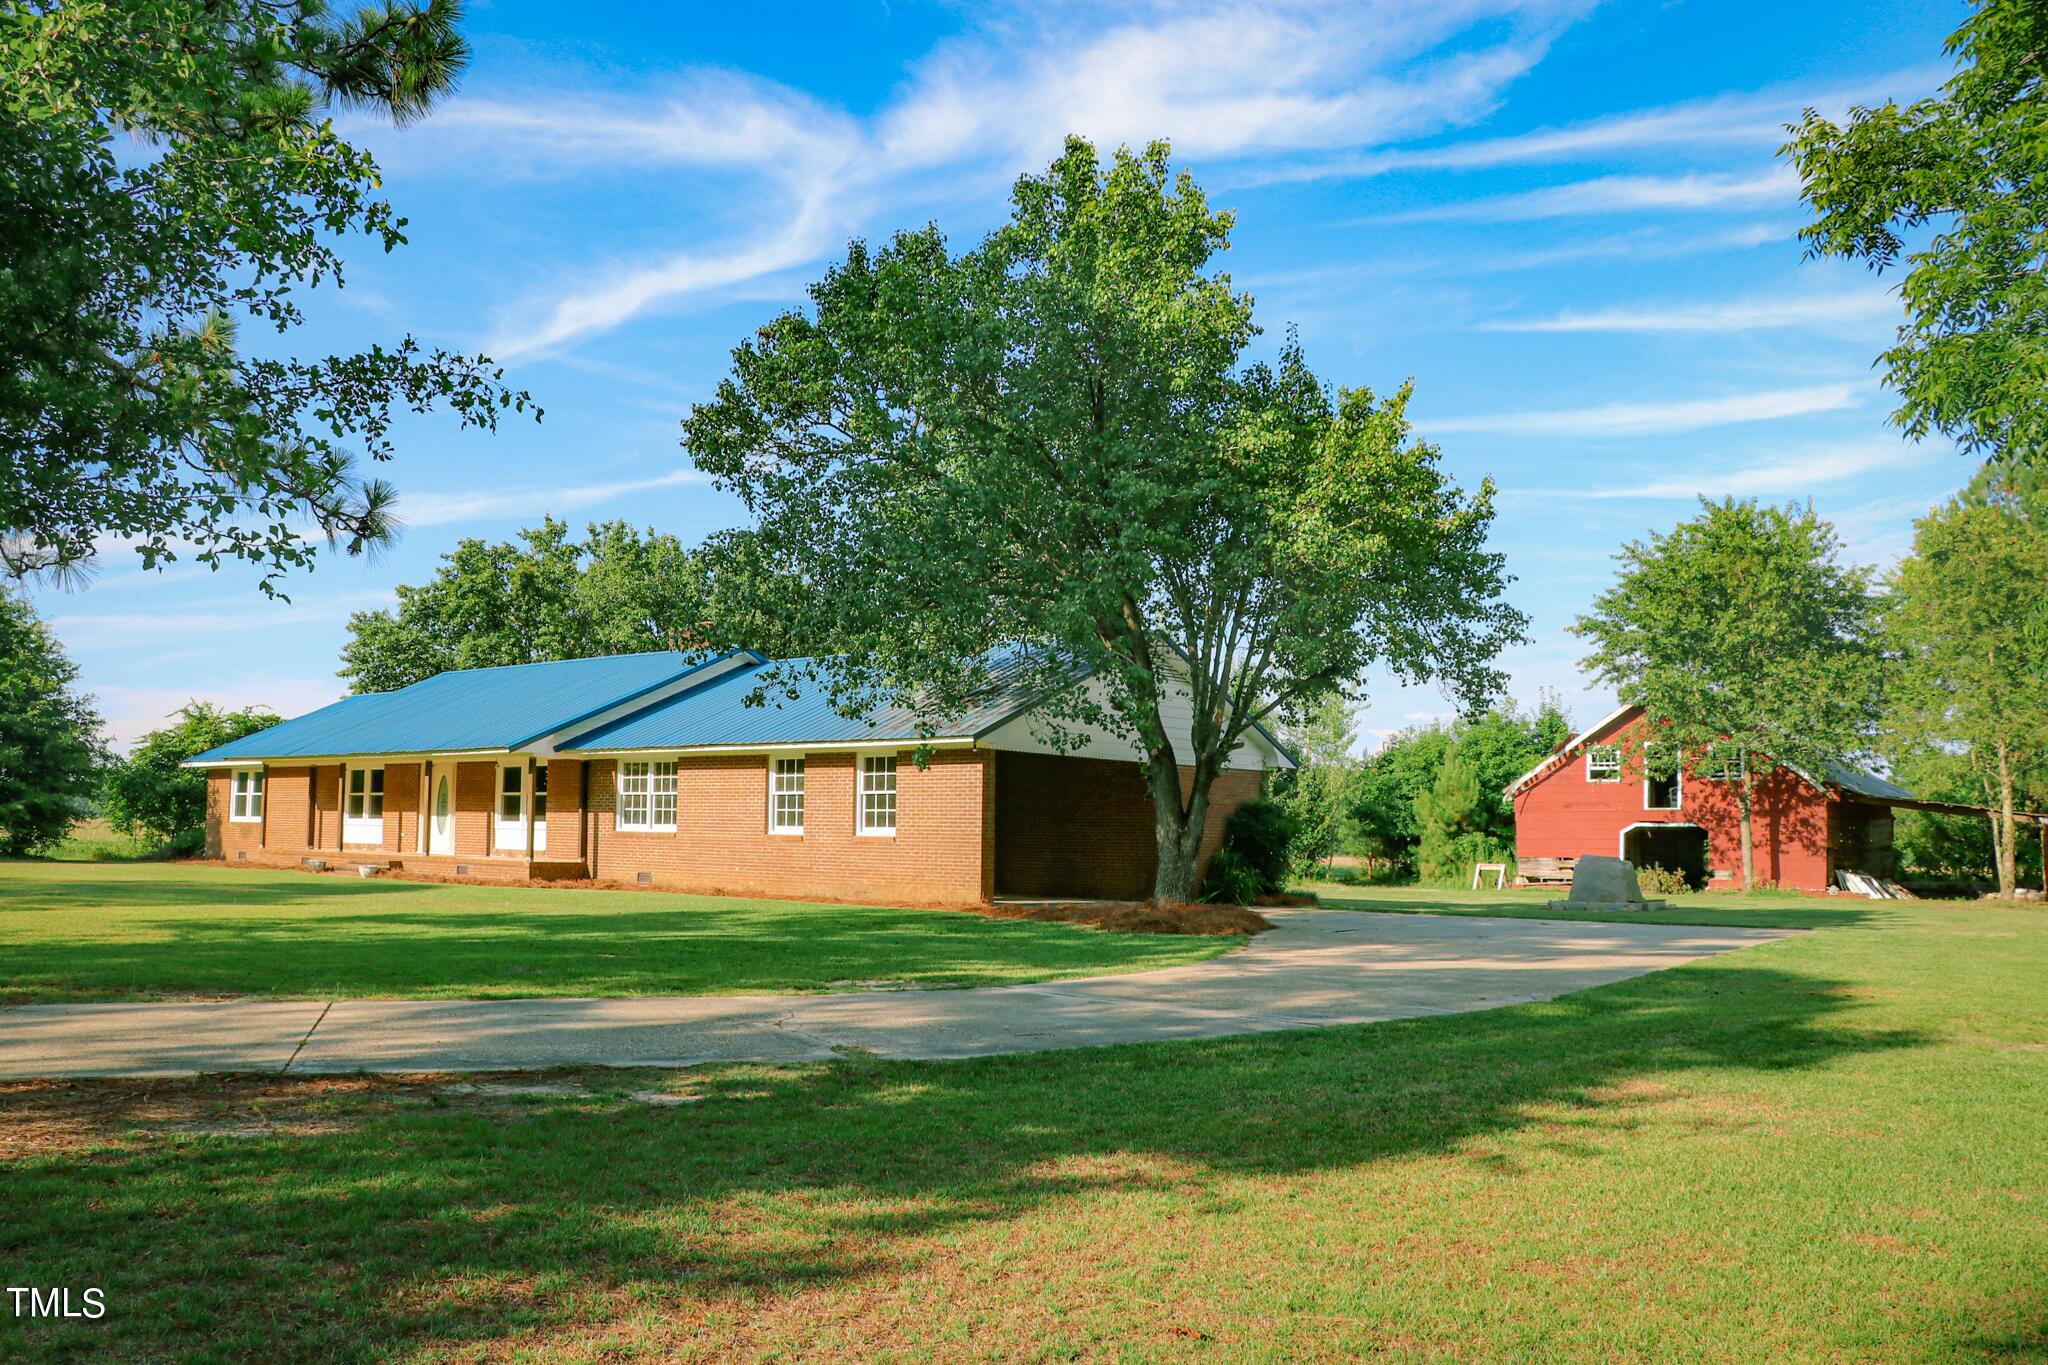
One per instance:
(1178, 824)
(2008, 844)
(1743, 803)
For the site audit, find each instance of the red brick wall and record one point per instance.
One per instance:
(565, 810)
(1084, 826)
(722, 845)
(1562, 815)
(287, 808)
(401, 807)
(476, 794)
(326, 806)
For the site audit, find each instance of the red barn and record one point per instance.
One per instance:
(1585, 799)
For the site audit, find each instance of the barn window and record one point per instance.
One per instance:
(1725, 763)
(1603, 763)
(1662, 783)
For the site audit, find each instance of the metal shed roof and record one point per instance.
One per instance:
(466, 709)
(716, 713)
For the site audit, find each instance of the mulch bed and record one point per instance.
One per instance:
(1138, 917)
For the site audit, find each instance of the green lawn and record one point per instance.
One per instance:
(109, 931)
(1827, 1147)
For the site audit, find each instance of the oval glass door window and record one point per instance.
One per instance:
(443, 840)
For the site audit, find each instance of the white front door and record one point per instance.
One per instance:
(514, 808)
(441, 831)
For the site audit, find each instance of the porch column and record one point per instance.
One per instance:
(529, 812)
(426, 804)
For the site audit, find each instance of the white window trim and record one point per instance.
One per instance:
(802, 794)
(365, 828)
(1614, 749)
(245, 806)
(650, 825)
(1677, 781)
(860, 798)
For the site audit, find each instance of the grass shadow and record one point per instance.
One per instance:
(397, 1222)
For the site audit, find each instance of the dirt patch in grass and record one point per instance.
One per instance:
(50, 1117)
(1138, 917)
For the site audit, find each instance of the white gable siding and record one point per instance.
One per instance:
(1174, 708)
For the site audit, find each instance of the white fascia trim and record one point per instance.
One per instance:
(1571, 746)
(849, 746)
(362, 760)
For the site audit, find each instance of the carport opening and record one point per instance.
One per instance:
(1678, 848)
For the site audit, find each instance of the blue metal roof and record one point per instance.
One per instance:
(715, 712)
(466, 709)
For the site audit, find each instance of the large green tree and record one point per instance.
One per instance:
(1317, 794)
(1742, 635)
(167, 173)
(1498, 745)
(1967, 617)
(49, 735)
(1938, 844)
(619, 590)
(1957, 187)
(148, 793)
(1383, 795)
(1451, 817)
(1046, 454)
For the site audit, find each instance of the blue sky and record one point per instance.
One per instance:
(1564, 220)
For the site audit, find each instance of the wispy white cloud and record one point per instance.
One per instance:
(1222, 80)
(606, 302)
(1754, 119)
(440, 509)
(1645, 419)
(1792, 473)
(1735, 315)
(1610, 194)
(237, 616)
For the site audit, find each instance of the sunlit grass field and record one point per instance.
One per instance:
(115, 931)
(1825, 1147)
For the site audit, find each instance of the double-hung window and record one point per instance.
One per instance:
(1603, 763)
(786, 796)
(878, 794)
(647, 796)
(363, 811)
(245, 805)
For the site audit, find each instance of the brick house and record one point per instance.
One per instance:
(1586, 798)
(653, 768)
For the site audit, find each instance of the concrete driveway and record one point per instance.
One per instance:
(1317, 968)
